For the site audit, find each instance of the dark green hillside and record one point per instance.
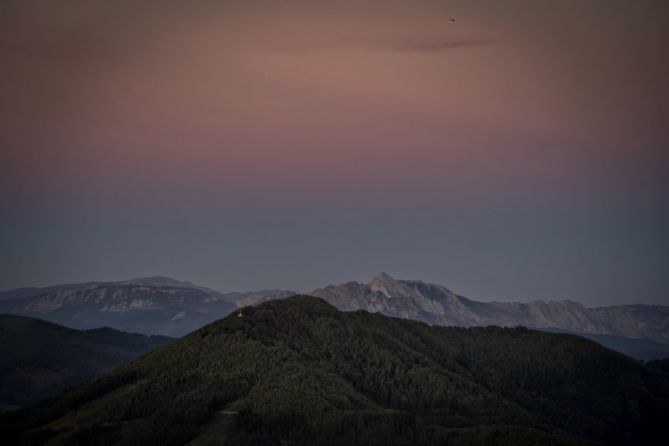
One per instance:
(297, 371)
(40, 359)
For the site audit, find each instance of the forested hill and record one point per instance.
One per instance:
(298, 371)
(40, 359)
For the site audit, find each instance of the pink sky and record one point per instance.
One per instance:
(520, 152)
(360, 102)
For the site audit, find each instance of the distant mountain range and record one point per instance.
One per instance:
(152, 305)
(160, 305)
(40, 359)
(298, 371)
(158, 281)
(435, 304)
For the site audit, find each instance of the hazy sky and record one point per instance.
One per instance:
(520, 152)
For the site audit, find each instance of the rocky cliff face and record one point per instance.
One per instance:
(436, 304)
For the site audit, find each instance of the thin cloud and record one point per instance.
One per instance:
(400, 44)
(430, 45)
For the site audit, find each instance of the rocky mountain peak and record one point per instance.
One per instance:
(385, 284)
(382, 278)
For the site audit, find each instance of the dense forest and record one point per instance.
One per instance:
(298, 371)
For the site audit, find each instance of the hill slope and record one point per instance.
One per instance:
(300, 372)
(40, 359)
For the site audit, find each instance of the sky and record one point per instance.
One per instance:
(519, 152)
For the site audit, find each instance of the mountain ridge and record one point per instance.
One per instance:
(155, 305)
(436, 304)
(19, 293)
